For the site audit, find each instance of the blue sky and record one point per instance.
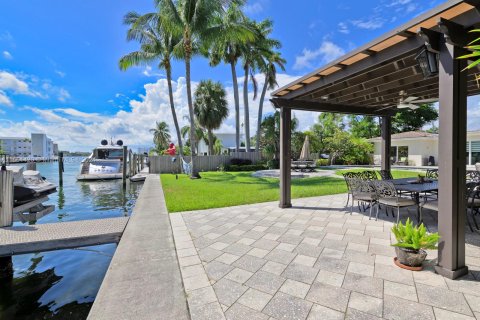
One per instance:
(59, 62)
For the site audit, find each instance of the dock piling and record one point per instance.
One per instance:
(124, 168)
(60, 168)
(6, 198)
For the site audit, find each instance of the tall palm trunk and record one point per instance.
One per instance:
(245, 105)
(174, 113)
(210, 142)
(237, 106)
(193, 139)
(260, 114)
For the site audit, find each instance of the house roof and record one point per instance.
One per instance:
(409, 135)
(369, 79)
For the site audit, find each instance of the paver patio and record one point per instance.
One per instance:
(313, 261)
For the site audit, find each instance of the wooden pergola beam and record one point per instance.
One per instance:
(328, 107)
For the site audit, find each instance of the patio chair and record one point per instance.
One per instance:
(362, 191)
(432, 174)
(430, 205)
(386, 174)
(388, 196)
(472, 199)
(347, 176)
(473, 176)
(473, 202)
(369, 175)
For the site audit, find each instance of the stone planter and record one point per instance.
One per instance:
(410, 257)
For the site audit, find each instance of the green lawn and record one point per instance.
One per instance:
(224, 189)
(397, 174)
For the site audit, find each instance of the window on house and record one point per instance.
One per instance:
(403, 153)
(475, 152)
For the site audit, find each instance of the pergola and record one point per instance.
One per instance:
(368, 81)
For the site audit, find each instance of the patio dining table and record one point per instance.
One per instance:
(416, 188)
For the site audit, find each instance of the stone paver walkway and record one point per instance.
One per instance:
(313, 261)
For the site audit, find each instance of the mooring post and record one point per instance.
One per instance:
(60, 168)
(124, 168)
(6, 198)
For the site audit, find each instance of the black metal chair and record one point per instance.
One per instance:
(473, 176)
(369, 175)
(388, 196)
(362, 191)
(473, 202)
(432, 174)
(347, 176)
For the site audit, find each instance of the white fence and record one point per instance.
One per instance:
(165, 164)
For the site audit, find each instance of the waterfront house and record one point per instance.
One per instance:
(419, 148)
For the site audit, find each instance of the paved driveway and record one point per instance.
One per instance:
(313, 261)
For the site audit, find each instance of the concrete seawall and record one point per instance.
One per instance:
(143, 280)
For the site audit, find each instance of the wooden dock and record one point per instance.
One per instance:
(60, 235)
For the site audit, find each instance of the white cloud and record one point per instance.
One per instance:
(327, 52)
(6, 36)
(147, 72)
(4, 100)
(10, 82)
(82, 130)
(343, 28)
(253, 8)
(61, 74)
(7, 55)
(369, 24)
(63, 95)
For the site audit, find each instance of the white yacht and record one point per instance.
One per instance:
(105, 163)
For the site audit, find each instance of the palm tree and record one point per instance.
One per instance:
(268, 67)
(156, 44)
(228, 48)
(252, 55)
(161, 135)
(193, 21)
(211, 107)
(200, 133)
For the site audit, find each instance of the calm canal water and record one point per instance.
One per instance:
(63, 284)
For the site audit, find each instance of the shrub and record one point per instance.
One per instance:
(414, 237)
(249, 167)
(273, 164)
(322, 162)
(240, 162)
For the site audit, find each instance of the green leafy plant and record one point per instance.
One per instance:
(475, 51)
(414, 237)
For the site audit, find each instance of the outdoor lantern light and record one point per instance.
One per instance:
(428, 62)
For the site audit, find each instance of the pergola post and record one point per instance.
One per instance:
(452, 161)
(285, 157)
(386, 127)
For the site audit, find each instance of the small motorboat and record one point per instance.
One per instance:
(105, 163)
(29, 185)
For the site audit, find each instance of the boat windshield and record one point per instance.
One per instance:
(109, 154)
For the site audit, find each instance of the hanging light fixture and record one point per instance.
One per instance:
(428, 62)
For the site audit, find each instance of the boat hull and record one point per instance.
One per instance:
(100, 176)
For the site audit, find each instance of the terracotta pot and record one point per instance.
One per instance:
(410, 257)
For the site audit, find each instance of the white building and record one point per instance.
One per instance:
(415, 148)
(227, 139)
(15, 146)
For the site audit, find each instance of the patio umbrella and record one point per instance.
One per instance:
(305, 154)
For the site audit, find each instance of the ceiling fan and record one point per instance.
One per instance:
(412, 102)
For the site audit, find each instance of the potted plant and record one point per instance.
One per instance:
(411, 244)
